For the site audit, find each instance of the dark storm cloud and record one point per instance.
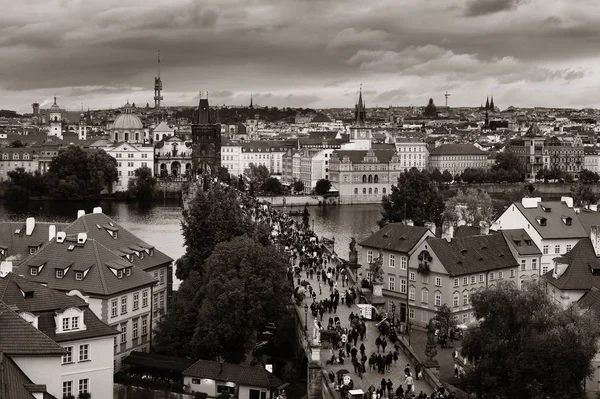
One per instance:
(476, 8)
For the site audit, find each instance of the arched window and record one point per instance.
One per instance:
(157, 137)
(370, 190)
(126, 136)
(364, 190)
(370, 178)
(364, 178)
(376, 179)
(375, 190)
(384, 190)
(137, 137)
(356, 191)
(116, 136)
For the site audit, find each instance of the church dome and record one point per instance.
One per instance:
(127, 122)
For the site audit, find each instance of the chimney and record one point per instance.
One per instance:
(484, 228)
(431, 226)
(5, 268)
(568, 201)
(51, 232)
(80, 213)
(60, 237)
(595, 238)
(97, 209)
(29, 226)
(531, 202)
(447, 231)
(408, 222)
(81, 238)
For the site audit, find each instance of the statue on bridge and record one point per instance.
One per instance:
(353, 245)
(316, 332)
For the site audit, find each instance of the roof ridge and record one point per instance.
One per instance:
(9, 277)
(99, 264)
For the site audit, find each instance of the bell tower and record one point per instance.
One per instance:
(55, 120)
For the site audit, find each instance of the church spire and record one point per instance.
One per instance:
(360, 113)
(251, 105)
(203, 111)
(492, 104)
(487, 103)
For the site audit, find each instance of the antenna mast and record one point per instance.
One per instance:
(447, 95)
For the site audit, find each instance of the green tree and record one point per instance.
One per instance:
(472, 206)
(143, 187)
(583, 195)
(34, 183)
(444, 320)
(447, 177)
(214, 216)
(436, 176)
(272, 186)
(430, 109)
(415, 196)
(257, 174)
(322, 187)
(298, 186)
(588, 177)
(245, 287)
(526, 346)
(506, 161)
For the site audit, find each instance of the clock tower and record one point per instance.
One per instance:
(359, 132)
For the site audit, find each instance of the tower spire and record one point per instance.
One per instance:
(360, 114)
(157, 85)
(251, 105)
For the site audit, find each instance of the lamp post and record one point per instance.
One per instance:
(305, 317)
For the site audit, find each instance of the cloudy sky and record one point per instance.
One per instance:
(311, 53)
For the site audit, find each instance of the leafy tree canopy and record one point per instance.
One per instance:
(526, 346)
(322, 187)
(418, 195)
(144, 185)
(588, 177)
(298, 186)
(272, 186)
(472, 206)
(17, 144)
(257, 174)
(583, 194)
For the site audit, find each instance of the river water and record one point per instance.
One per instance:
(160, 224)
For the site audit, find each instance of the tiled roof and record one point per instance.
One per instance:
(18, 337)
(588, 219)
(457, 149)
(465, 231)
(158, 362)
(554, 213)
(95, 328)
(18, 244)
(91, 256)
(473, 254)
(591, 301)
(120, 245)
(578, 275)
(17, 384)
(357, 156)
(521, 242)
(239, 374)
(395, 237)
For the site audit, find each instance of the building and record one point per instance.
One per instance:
(158, 86)
(455, 158)
(162, 131)
(364, 176)
(314, 166)
(172, 157)
(527, 253)
(554, 226)
(34, 358)
(45, 154)
(395, 242)
(55, 120)
(360, 134)
(412, 152)
(245, 382)
(127, 128)
(206, 141)
(18, 240)
(13, 158)
(88, 364)
(267, 153)
(129, 158)
(591, 160)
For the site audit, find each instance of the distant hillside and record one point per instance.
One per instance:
(231, 116)
(7, 113)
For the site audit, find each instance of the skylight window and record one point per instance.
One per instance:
(71, 247)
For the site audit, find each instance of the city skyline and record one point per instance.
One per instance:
(300, 53)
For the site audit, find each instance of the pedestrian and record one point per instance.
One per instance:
(407, 369)
(409, 383)
(390, 387)
(395, 356)
(348, 348)
(383, 344)
(320, 293)
(362, 349)
(417, 371)
(378, 343)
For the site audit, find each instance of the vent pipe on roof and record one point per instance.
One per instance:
(80, 213)
(97, 209)
(484, 228)
(29, 226)
(51, 232)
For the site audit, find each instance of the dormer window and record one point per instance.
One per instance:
(541, 221)
(78, 276)
(33, 271)
(151, 252)
(59, 274)
(568, 221)
(119, 273)
(128, 271)
(141, 254)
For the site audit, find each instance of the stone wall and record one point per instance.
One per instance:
(131, 392)
(428, 375)
(327, 389)
(541, 189)
(297, 201)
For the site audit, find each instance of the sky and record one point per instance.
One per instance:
(300, 53)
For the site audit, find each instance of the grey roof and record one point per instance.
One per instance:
(554, 213)
(578, 275)
(473, 254)
(357, 156)
(18, 244)
(588, 219)
(17, 384)
(457, 149)
(521, 242)
(239, 374)
(95, 328)
(396, 237)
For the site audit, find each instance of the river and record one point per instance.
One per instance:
(160, 224)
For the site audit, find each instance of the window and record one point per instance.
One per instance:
(68, 356)
(392, 261)
(438, 281)
(545, 249)
(438, 299)
(145, 298)
(568, 247)
(196, 381)
(83, 385)
(424, 296)
(78, 276)
(256, 394)
(403, 263)
(500, 275)
(113, 308)
(33, 271)
(145, 325)
(123, 304)
(411, 276)
(465, 281)
(134, 329)
(67, 388)
(411, 294)
(123, 333)
(392, 284)
(456, 282)
(411, 313)
(491, 275)
(523, 265)
(472, 279)
(369, 256)
(129, 155)
(162, 276)
(155, 304)
(465, 299)
(455, 300)
(533, 264)
(557, 249)
(75, 323)
(65, 323)
(403, 286)
(136, 300)
(84, 352)
(512, 273)
(544, 269)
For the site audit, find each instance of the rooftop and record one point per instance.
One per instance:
(521, 242)
(551, 220)
(239, 374)
(396, 237)
(457, 149)
(578, 275)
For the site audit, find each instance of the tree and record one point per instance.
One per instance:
(472, 206)
(437, 176)
(257, 174)
(143, 186)
(415, 196)
(272, 186)
(322, 187)
(588, 177)
(214, 216)
(33, 183)
(16, 144)
(444, 320)
(582, 194)
(298, 186)
(447, 177)
(527, 346)
(245, 287)
(305, 217)
(430, 109)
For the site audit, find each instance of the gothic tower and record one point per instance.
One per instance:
(360, 112)
(492, 104)
(206, 141)
(487, 103)
(157, 86)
